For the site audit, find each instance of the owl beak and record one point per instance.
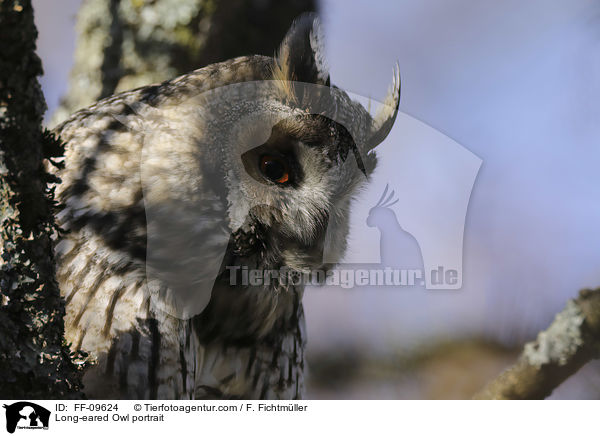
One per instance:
(386, 115)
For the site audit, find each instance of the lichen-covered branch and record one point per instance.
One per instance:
(572, 340)
(34, 361)
(124, 44)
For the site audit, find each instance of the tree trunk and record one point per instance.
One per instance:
(34, 360)
(124, 44)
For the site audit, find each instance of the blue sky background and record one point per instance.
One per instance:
(516, 83)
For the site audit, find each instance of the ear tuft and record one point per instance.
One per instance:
(301, 55)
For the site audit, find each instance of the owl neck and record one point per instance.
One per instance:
(245, 315)
(243, 310)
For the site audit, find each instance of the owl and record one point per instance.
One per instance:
(192, 210)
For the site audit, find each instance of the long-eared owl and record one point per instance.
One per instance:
(189, 208)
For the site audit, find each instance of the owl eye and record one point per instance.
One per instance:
(274, 168)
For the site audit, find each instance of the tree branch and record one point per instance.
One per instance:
(572, 340)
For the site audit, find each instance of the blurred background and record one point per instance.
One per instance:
(517, 84)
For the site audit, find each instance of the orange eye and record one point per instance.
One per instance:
(274, 168)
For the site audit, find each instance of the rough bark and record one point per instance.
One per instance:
(572, 340)
(124, 44)
(34, 360)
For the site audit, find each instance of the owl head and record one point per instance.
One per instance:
(302, 150)
(268, 155)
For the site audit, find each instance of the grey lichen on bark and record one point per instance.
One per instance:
(124, 44)
(34, 360)
(560, 341)
(572, 340)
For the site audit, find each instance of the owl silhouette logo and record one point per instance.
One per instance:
(26, 415)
